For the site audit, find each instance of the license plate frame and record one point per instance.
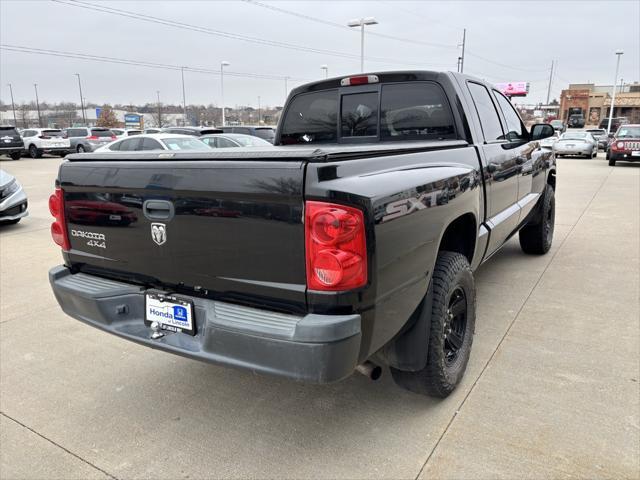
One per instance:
(172, 308)
(635, 153)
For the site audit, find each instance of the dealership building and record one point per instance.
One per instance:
(595, 101)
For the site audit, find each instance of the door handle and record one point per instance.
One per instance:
(158, 209)
(492, 167)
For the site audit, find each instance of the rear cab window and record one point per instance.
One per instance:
(378, 112)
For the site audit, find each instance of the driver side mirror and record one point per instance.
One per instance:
(540, 131)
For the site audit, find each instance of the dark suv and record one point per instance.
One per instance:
(266, 133)
(10, 142)
(615, 123)
(576, 121)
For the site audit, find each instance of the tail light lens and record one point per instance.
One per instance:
(113, 137)
(59, 226)
(44, 137)
(92, 137)
(336, 249)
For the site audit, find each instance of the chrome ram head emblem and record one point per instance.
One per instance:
(159, 233)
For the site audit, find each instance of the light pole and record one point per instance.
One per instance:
(619, 53)
(184, 100)
(286, 87)
(159, 110)
(361, 23)
(223, 64)
(326, 70)
(35, 86)
(259, 112)
(84, 118)
(13, 107)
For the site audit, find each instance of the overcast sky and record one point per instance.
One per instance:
(506, 41)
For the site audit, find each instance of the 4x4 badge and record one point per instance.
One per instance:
(159, 233)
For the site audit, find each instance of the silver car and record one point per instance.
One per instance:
(88, 139)
(13, 200)
(576, 143)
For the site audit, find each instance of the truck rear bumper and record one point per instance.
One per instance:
(311, 348)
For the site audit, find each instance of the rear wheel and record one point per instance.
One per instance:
(453, 315)
(80, 149)
(612, 162)
(16, 155)
(34, 152)
(537, 235)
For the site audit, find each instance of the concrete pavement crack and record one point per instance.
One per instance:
(58, 445)
(506, 333)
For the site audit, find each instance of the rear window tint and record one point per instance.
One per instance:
(417, 111)
(266, 133)
(359, 115)
(312, 118)
(8, 131)
(53, 133)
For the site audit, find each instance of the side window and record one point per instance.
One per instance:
(359, 115)
(415, 111)
(115, 146)
(28, 133)
(515, 129)
(150, 144)
(130, 144)
(489, 119)
(211, 141)
(243, 130)
(225, 143)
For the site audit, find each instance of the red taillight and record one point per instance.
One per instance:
(92, 137)
(336, 247)
(44, 137)
(113, 137)
(59, 226)
(359, 80)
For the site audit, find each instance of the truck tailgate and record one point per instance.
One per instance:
(224, 229)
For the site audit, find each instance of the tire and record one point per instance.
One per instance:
(80, 149)
(594, 154)
(62, 155)
(34, 152)
(16, 155)
(10, 222)
(453, 286)
(612, 162)
(537, 235)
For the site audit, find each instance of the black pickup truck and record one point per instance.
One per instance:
(350, 245)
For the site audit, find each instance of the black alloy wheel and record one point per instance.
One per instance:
(455, 325)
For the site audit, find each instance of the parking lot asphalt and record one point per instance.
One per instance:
(551, 391)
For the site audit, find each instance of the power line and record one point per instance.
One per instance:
(141, 63)
(220, 33)
(345, 27)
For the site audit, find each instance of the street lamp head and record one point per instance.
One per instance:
(324, 67)
(619, 52)
(224, 63)
(370, 21)
(354, 23)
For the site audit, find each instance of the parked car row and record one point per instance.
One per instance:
(35, 142)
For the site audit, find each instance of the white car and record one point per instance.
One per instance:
(576, 143)
(154, 141)
(125, 132)
(13, 200)
(45, 140)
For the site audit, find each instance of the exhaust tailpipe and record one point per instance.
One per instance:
(370, 370)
